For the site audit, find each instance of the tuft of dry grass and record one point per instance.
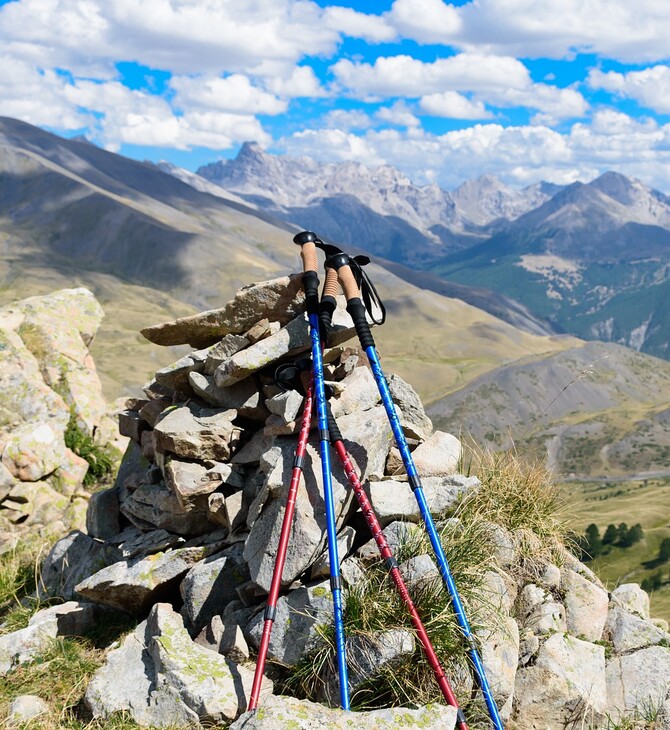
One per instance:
(519, 494)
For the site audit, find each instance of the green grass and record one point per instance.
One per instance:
(646, 502)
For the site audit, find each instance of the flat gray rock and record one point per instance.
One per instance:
(278, 300)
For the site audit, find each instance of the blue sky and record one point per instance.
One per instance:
(524, 89)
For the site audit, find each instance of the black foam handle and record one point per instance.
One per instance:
(333, 428)
(310, 283)
(326, 308)
(357, 312)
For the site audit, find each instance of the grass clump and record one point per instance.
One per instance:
(101, 460)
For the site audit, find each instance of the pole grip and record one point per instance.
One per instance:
(310, 266)
(327, 305)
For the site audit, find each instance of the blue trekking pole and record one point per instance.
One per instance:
(349, 281)
(310, 280)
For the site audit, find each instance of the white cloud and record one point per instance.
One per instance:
(347, 119)
(371, 28)
(649, 87)
(398, 114)
(621, 29)
(453, 105)
(428, 21)
(186, 36)
(406, 76)
(299, 82)
(234, 93)
(522, 155)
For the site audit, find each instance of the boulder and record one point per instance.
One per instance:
(393, 500)
(210, 585)
(24, 709)
(438, 456)
(637, 680)
(287, 713)
(135, 585)
(278, 300)
(628, 632)
(193, 432)
(539, 611)
(585, 606)
(631, 598)
(33, 451)
(500, 656)
(566, 682)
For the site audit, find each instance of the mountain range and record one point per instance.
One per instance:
(592, 259)
(155, 246)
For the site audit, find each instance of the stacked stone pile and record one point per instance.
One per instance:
(186, 541)
(47, 373)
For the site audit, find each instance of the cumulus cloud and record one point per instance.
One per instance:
(519, 154)
(453, 105)
(347, 119)
(632, 31)
(494, 80)
(234, 93)
(403, 75)
(372, 28)
(649, 87)
(398, 114)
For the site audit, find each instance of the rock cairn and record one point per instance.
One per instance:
(46, 375)
(186, 540)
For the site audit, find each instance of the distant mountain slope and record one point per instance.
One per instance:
(379, 209)
(598, 409)
(153, 247)
(594, 260)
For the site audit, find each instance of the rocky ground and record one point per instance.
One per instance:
(185, 539)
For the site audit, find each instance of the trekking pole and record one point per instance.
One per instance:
(328, 304)
(271, 605)
(310, 279)
(342, 263)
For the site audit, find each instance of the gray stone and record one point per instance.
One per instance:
(193, 432)
(368, 435)
(499, 593)
(7, 481)
(152, 410)
(631, 598)
(192, 482)
(131, 425)
(500, 656)
(360, 393)
(394, 500)
(102, 514)
(367, 656)
(286, 405)
(222, 350)
(25, 708)
(397, 534)
(345, 541)
(262, 329)
(627, 631)
(637, 680)
(135, 585)
(291, 340)
(210, 585)
(550, 577)
(294, 631)
(420, 573)
(73, 618)
(566, 683)
(279, 300)
(226, 639)
(287, 713)
(539, 611)
(413, 418)
(133, 542)
(210, 685)
(244, 397)
(153, 506)
(23, 646)
(33, 451)
(438, 456)
(175, 376)
(502, 545)
(72, 559)
(585, 606)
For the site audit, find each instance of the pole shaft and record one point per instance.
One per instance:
(443, 565)
(280, 559)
